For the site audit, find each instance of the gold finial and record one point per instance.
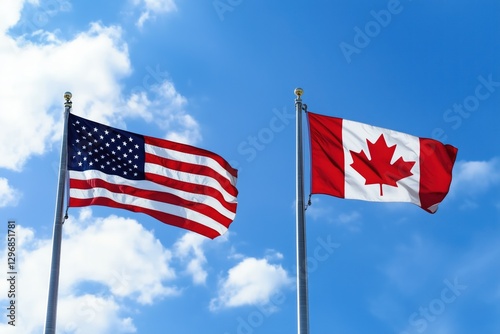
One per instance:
(67, 96)
(298, 92)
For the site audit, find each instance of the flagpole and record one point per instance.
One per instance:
(302, 299)
(59, 217)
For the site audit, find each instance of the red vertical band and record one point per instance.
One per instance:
(436, 164)
(327, 155)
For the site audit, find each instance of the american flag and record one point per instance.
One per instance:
(178, 184)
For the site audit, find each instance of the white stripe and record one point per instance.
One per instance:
(152, 186)
(190, 158)
(189, 178)
(150, 204)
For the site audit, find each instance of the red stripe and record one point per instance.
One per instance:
(436, 164)
(152, 195)
(192, 188)
(192, 169)
(327, 155)
(191, 150)
(161, 216)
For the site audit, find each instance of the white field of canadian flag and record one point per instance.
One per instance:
(360, 161)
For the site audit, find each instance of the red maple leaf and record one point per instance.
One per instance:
(378, 169)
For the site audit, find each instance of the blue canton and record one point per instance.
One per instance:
(96, 146)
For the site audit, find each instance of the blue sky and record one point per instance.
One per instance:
(220, 75)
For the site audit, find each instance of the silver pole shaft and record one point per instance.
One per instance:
(50, 320)
(302, 299)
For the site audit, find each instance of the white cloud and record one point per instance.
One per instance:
(251, 282)
(91, 65)
(190, 133)
(350, 220)
(123, 262)
(189, 249)
(166, 108)
(122, 267)
(151, 8)
(272, 255)
(92, 314)
(233, 254)
(475, 176)
(318, 211)
(10, 14)
(8, 195)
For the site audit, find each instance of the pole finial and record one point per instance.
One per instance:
(67, 96)
(298, 92)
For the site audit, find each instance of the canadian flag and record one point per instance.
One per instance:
(359, 161)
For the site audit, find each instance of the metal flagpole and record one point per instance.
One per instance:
(302, 300)
(59, 217)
